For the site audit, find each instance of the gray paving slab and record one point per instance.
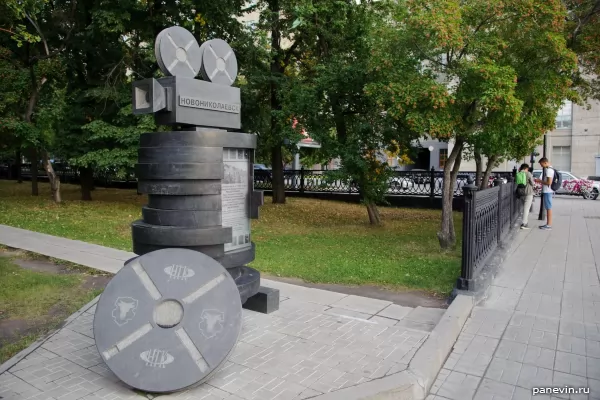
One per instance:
(317, 343)
(362, 304)
(91, 255)
(539, 325)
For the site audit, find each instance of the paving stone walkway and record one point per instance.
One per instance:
(317, 342)
(540, 325)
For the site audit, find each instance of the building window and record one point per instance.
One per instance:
(561, 158)
(443, 157)
(565, 116)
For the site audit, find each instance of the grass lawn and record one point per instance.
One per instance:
(315, 240)
(34, 302)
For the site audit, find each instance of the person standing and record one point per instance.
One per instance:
(547, 192)
(525, 184)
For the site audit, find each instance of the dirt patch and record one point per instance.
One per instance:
(407, 298)
(41, 266)
(14, 328)
(19, 325)
(96, 281)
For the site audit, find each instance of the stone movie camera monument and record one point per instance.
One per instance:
(171, 317)
(199, 178)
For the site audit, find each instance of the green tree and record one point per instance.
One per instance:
(582, 31)
(328, 94)
(116, 48)
(460, 77)
(14, 83)
(40, 30)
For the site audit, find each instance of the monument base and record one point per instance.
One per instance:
(248, 282)
(265, 301)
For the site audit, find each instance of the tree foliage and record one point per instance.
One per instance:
(363, 78)
(478, 74)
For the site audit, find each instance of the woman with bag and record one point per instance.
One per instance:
(525, 184)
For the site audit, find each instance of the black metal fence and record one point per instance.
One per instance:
(68, 174)
(402, 183)
(487, 218)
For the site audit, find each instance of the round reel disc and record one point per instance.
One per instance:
(168, 320)
(157, 50)
(178, 53)
(219, 64)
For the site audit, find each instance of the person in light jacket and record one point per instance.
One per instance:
(525, 176)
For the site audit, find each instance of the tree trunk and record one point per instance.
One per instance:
(446, 235)
(276, 73)
(277, 170)
(478, 168)
(488, 171)
(454, 175)
(28, 117)
(18, 161)
(86, 176)
(53, 179)
(33, 159)
(373, 211)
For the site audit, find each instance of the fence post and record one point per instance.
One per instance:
(465, 282)
(432, 182)
(302, 179)
(500, 183)
(513, 205)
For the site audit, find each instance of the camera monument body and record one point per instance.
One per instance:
(171, 316)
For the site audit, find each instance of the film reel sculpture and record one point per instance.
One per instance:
(170, 318)
(178, 54)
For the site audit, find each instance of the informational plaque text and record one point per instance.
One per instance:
(235, 197)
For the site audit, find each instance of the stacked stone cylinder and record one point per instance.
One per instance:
(181, 172)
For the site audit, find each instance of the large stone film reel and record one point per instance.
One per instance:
(178, 54)
(168, 320)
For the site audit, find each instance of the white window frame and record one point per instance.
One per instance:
(564, 117)
(562, 151)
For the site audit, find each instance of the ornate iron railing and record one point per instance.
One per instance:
(402, 183)
(67, 174)
(487, 218)
(505, 206)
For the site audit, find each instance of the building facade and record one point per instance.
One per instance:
(574, 145)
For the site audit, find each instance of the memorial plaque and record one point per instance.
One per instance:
(235, 194)
(192, 100)
(168, 320)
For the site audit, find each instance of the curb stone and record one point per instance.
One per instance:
(415, 382)
(7, 365)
